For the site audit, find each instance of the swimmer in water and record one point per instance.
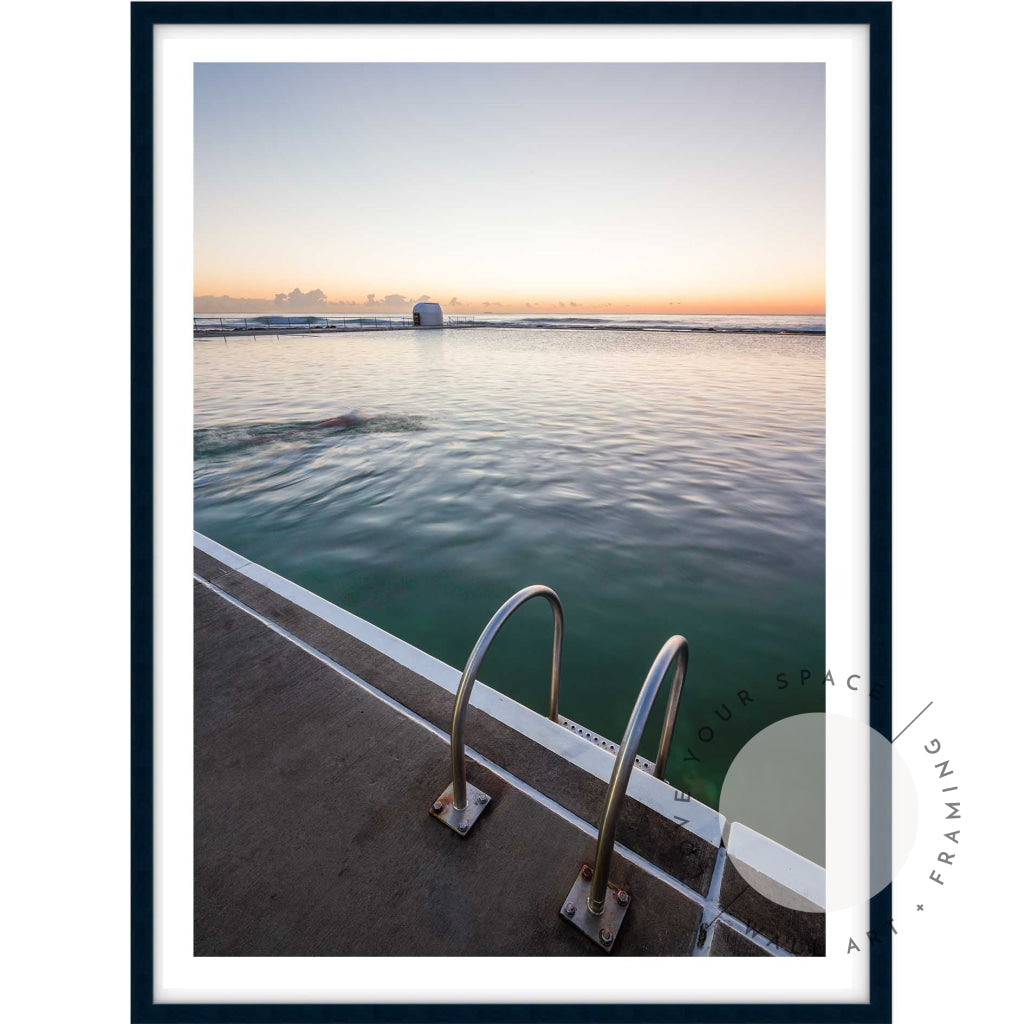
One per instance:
(351, 419)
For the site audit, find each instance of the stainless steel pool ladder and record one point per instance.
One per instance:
(461, 804)
(594, 905)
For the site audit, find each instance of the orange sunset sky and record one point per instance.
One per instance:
(663, 188)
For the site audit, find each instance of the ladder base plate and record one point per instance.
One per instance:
(603, 928)
(460, 821)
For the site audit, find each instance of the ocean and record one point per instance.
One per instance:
(665, 474)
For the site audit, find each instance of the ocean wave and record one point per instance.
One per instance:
(671, 322)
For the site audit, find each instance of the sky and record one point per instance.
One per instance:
(687, 188)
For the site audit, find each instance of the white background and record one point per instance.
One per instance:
(958, 370)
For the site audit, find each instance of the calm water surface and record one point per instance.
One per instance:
(661, 483)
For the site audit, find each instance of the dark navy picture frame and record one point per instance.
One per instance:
(145, 17)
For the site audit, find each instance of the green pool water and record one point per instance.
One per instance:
(661, 482)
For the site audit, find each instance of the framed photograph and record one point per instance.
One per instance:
(532, 459)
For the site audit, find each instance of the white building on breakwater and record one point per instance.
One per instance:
(427, 314)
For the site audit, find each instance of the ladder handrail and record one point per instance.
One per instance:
(476, 657)
(675, 648)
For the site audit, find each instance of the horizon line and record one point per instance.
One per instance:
(490, 312)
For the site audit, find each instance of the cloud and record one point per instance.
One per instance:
(295, 301)
(392, 302)
(316, 301)
(298, 301)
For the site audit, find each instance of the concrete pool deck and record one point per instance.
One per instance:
(320, 745)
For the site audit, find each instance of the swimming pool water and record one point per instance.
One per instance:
(660, 482)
